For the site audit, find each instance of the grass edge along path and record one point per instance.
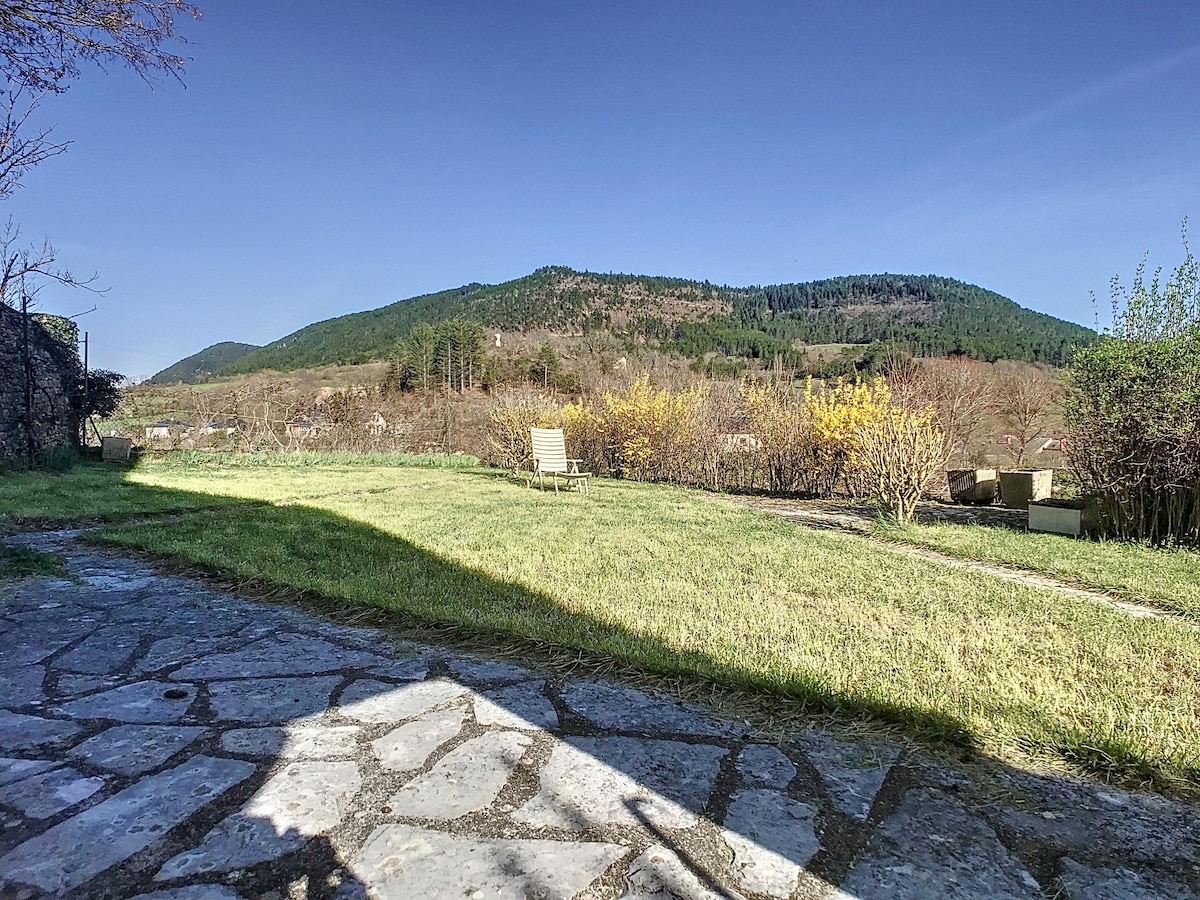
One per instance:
(679, 582)
(1160, 578)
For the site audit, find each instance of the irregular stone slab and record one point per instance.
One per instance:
(271, 699)
(284, 654)
(294, 741)
(466, 779)
(170, 652)
(932, 847)
(33, 642)
(404, 861)
(521, 706)
(20, 732)
(772, 839)
(144, 702)
(19, 686)
(413, 669)
(110, 580)
(409, 746)
(192, 892)
(16, 769)
(302, 801)
(623, 708)
(107, 650)
(72, 686)
(134, 749)
(763, 766)
(660, 874)
(1085, 883)
(852, 772)
(380, 703)
(477, 670)
(70, 853)
(42, 796)
(1087, 821)
(623, 780)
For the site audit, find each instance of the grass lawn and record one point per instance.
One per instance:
(1165, 578)
(683, 582)
(19, 562)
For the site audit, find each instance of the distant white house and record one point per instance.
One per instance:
(1059, 444)
(305, 426)
(736, 437)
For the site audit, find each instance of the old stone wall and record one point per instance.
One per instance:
(56, 373)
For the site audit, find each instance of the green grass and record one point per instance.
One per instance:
(1166, 578)
(20, 562)
(686, 583)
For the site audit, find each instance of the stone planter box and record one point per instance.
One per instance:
(972, 485)
(1071, 517)
(1021, 487)
(115, 449)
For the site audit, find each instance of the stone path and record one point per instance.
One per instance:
(160, 739)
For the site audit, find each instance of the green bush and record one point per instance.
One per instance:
(1134, 410)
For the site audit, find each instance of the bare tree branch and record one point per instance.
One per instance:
(42, 42)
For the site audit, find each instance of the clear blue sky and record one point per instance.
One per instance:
(332, 157)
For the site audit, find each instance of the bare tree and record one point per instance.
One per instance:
(1028, 403)
(43, 43)
(960, 392)
(24, 270)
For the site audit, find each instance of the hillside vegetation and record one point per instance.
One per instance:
(925, 315)
(200, 366)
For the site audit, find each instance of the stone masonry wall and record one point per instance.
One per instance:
(56, 372)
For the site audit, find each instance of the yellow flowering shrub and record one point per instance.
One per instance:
(650, 431)
(839, 413)
(898, 454)
(509, 421)
(783, 427)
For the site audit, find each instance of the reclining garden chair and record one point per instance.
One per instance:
(550, 458)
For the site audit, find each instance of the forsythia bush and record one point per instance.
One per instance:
(651, 431)
(839, 415)
(898, 452)
(812, 441)
(782, 424)
(510, 420)
(806, 440)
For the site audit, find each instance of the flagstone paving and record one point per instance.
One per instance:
(159, 739)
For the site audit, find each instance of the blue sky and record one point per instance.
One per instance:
(325, 158)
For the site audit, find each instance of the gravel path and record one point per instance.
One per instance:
(162, 739)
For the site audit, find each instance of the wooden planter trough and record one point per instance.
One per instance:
(1021, 487)
(1071, 517)
(972, 485)
(115, 449)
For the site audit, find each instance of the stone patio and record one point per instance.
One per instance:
(161, 739)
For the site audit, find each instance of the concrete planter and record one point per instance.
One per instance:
(1021, 487)
(972, 485)
(1070, 517)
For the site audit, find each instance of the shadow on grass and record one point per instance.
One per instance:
(310, 551)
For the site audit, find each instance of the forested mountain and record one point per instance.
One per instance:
(202, 365)
(922, 314)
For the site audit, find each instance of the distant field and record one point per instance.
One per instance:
(681, 582)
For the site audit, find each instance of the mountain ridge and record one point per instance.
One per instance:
(925, 314)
